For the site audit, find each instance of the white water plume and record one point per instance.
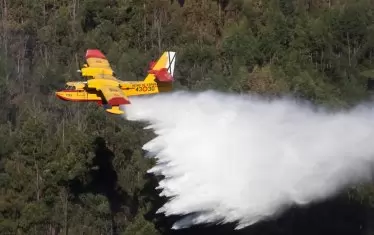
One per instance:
(238, 158)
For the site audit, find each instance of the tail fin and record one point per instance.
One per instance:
(163, 69)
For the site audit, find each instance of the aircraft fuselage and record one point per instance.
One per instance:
(81, 91)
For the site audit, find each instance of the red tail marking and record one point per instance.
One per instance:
(163, 75)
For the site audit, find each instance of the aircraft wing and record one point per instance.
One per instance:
(96, 59)
(98, 65)
(114, 97)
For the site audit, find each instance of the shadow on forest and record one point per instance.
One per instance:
(334, 216)
(103, 180)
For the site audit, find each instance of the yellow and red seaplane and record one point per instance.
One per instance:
(103, 87)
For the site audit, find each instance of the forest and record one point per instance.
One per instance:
(70, 168)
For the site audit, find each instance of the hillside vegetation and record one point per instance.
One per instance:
(69, 168)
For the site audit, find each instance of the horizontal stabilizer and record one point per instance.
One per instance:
(163, 69)
(163, 75)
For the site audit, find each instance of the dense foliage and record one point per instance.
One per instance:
(72, 169)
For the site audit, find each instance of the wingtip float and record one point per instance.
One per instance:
(103, 87)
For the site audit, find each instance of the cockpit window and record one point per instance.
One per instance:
(69, 87)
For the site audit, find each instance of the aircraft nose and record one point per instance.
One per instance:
(59, 94)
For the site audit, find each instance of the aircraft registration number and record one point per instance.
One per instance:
(145, 87)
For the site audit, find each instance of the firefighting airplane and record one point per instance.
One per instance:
(103, 87)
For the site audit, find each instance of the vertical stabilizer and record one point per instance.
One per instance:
(163, 69)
